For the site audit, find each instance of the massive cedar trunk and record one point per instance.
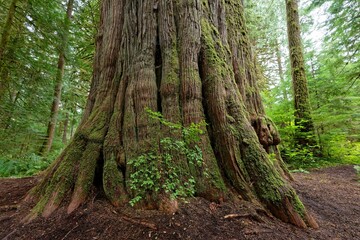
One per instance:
(305, 131)
(190, 60)
(45, 148)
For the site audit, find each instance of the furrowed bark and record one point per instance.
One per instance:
(247, 74)
(189, 33)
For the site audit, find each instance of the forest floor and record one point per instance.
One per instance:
(331, 194)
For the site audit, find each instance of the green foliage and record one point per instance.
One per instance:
(338, 146)
(333, 80)
(294, 155)
(160, 170)
(267, 28)
(25, 166)
(299, 157)
(28, 70)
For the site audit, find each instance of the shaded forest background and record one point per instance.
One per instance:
(33, 34)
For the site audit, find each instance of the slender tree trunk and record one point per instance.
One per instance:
(319, 130)
(10, 97)
(305, 131)
(58, 82)
(14, 100)
(280, 70)
(65, 130)
(7, 28)
(192, 61)
(72, 127)
(5, 35)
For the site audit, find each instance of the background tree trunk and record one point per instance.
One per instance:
(280, 70)
(65, 130)
(7, 28)
(58, 81)
(3, 43)
(192, 61)
(305, 132)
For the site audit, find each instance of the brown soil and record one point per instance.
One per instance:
(332, 195)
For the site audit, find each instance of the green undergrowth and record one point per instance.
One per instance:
(331, 150)
(160, 170)
(23, 166)
(317, 163)
(334, 153)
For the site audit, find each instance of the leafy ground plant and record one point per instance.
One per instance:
(159, 171)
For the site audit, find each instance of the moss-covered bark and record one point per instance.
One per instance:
(191, 61)
(305, 132)
(247, 75)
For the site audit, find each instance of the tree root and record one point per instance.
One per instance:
(253, 216)
(139, 222)
(291, 210)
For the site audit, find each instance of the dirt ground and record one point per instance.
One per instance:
(331, 194)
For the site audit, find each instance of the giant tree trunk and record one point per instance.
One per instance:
(305, 131)
(190, 60)
(50, 133)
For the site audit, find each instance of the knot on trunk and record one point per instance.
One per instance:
(266, 131)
